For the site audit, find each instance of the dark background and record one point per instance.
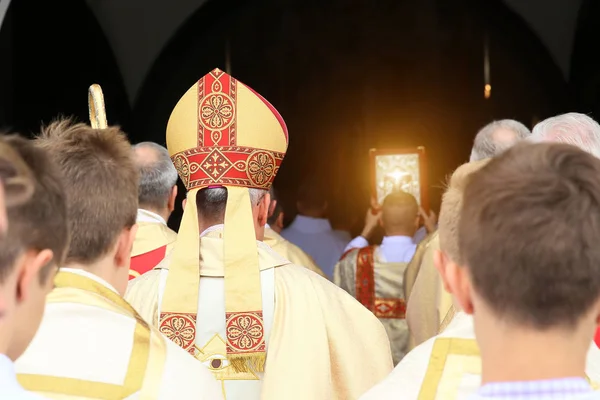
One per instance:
(345, 75)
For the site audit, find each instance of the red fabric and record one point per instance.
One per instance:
(365, 279)
(145, 262)
(597, 337)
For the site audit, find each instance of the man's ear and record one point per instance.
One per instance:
(440, 261)
(28, 271)
(459, 281)
(124, 247)
(263, 210)
(172, 198)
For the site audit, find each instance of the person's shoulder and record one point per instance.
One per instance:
(184, 375)
(144, 281)
(407, 377)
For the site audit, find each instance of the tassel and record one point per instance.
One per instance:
(245, 363)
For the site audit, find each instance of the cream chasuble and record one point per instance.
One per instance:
(93, 345)
(448, 367)
(378, 286)
(429, 304)
(321, 343)
(290, 251)
(153, 241)
(410, 275)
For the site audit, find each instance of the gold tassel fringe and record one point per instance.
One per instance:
(243, 363)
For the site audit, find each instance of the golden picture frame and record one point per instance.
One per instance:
(399, 169)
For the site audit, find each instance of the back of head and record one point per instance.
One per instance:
(572, 128)
(39, 222)
(157, 175)
(15, 176)
(211, 203)
(450, 210)
(101, 182)
(400, 213)
(529, 232)
(311, 199)
(496, 137)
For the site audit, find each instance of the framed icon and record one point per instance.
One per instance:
(394, 170)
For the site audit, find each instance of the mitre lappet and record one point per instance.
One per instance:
(221, 133)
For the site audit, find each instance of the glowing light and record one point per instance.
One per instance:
(487, 91)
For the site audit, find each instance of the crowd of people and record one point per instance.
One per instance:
(100, 299)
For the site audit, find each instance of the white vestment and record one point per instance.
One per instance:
(92, 345)
(448, 367)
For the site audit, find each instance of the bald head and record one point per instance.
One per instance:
(400, 214)
(497, 137)
(158, 176)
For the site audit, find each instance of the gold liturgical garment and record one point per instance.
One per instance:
(108, 351)
(386, 299)
(299, 307)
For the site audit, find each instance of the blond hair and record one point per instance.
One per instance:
(101, 182)
(451, 205)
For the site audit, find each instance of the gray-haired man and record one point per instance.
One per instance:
(157, 194)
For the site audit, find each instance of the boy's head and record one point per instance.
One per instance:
(101, 182)
(33, 248)
(528, 234)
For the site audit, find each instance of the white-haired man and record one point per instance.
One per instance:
(428, 304)
(573, 128)
(157, 194)
(496, 137)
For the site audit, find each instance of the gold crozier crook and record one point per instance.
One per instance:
(96, 107)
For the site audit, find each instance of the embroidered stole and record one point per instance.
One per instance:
(365, 288)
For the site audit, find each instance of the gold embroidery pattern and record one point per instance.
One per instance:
(389, 308)
(245, 332)
(180, 329)
(182, 166)
(216, 111)
(261, 167)
(215, 165)
(227, 165)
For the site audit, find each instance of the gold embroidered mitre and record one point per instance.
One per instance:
(222, 134)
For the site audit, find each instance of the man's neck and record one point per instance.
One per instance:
(6, 331)
(164, 213)
(512, 353)
(104, 269)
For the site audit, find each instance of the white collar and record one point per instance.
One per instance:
(149, 216)
(397, 240)
(89, 275)
(213, 228)
(8, 376)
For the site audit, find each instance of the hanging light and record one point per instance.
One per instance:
(487, 88)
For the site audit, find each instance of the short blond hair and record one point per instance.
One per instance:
(101, 182)
(451, 205)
